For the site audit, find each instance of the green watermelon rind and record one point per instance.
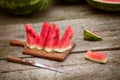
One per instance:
(91, 36)
(28, 6)
(103, 5)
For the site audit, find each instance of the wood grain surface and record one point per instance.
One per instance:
(79, 16)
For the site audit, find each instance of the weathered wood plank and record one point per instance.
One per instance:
(76, 64)
(108, 28)
(105, 24)
(28, 75)
(92, 71)
(94, 24)
(16, 51)
(73, 59)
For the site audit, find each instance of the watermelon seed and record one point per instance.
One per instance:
(70, 37)
(29, 31)
(55, 38)
(33, 36)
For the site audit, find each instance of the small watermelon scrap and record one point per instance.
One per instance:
(43, 35)
(32, 36)
(65, 43)
(96, 56)
(53, 38)
(90, 36)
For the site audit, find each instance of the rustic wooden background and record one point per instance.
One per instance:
(80, 16)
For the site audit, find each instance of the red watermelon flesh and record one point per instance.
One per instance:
(65, 43)
(53, 38)
(32, 36)
(43, 35)
(112, 0)
(96, 56)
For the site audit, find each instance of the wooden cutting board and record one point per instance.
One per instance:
(43, 54)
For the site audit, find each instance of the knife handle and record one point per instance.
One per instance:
(19, 60)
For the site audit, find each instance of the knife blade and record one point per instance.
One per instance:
(33, 63)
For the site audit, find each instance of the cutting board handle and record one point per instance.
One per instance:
(20, 60)
(17, 43)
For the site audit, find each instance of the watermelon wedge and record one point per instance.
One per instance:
(90, 36)
(53, 38)
(65, 43)
(96, 56)
(43, 35)
(32, 36)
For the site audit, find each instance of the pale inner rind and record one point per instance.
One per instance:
(39, 48)
(63, 49)
(48, 49)
(31, 46)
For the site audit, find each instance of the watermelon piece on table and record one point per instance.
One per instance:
(90, 36)
(43, 35)
(32, 36)
(53, 38)
(65, 43)
(96, 56)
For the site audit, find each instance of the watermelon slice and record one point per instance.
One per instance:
(96, 56)
(32, 37)
(53, 38)
(43, 35)
(65, 43)
(90, 36)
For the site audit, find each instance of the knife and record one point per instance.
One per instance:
(33, 63)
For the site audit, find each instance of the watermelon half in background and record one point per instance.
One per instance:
(43, 35)
(106, 5)
(96, 56)
(53, 38)
(65, 43)
(22, 7)
(32, 37)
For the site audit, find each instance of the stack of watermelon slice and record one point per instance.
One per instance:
(49, 38)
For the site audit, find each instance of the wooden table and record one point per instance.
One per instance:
(80, 16)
